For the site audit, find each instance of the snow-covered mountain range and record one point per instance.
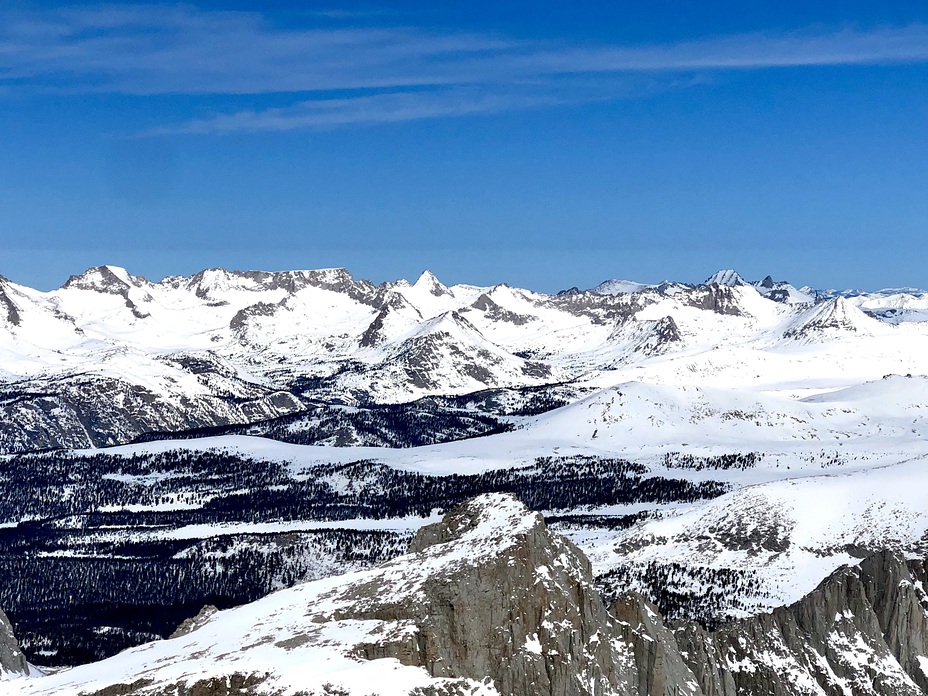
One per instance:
(225, 347)
(720, 447)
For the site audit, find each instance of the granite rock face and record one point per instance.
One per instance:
(12, 661)
(659, 667)
(863, 631)
(524, 613)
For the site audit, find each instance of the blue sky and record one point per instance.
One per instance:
(542, 144)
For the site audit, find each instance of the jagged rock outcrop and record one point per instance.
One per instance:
(897, 593)
(12, 660)
(863, 631)
(522, 610)
(720, 299)
(9, 312)
(396, 314)
(194, 622)
(659, 668)
(496, 313)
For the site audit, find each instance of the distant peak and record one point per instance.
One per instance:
(427, 277)
(108, 279)
(618, 286)
(428, 281)
(837, 315)
(727, 277)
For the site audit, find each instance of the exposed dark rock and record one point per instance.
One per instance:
(105, 280)
(100, 279)
(122, 689)
(393, 304)
(239, 322)
(93, 411)
(861, 632)
(12, 660)
(526, 614)
(666, 331)
(8, 308)
(193, 623)
(659, 668)
(495, 312)
(335, 279)
(717, 298)
(604, 309)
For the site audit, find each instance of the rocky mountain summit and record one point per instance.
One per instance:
(489, 601)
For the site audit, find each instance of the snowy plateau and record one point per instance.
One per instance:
(716, 488)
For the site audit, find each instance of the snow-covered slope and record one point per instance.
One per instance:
(834, 319)
(639, 415)
(784, 535)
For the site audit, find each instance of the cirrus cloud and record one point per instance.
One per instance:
(348, 75)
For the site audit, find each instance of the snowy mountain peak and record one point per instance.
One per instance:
(783, 292)
(397, 316)
(428, 281)
(836, 316)
(725, 277)
(212, 281)
(619, 287)
(491, 516)
(112, 280)
(452, 322)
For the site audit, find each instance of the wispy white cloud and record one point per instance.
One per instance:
(907, 44)
(419, 73)
(395, 107)
(158, 50)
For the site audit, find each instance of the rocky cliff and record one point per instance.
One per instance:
(12, 661)
(863, 631)
(488, 601)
